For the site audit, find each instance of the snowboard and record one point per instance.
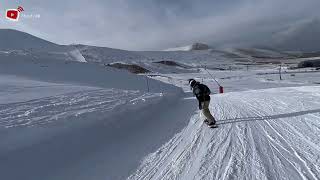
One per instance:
(211, 126)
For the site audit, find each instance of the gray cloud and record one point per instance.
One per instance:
(159, 24)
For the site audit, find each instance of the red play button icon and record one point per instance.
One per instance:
(12, 14)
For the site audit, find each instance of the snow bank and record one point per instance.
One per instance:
(81, 74)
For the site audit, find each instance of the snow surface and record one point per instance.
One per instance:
(77, 132)
(262, 134)
(15, 89)
(61, 118)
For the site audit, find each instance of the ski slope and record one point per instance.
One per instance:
(262, 134)
(68, 131)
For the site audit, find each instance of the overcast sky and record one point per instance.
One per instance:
(159, 24)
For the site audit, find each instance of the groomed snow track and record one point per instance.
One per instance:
(262, 134)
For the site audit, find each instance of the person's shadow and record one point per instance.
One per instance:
(266, 118)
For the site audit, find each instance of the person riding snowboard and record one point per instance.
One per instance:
(202, 93)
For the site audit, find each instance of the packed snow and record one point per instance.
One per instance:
(262, 134)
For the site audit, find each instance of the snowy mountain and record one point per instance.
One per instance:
(23, 45)
(17, 40)
(133, 61)
(148, 60)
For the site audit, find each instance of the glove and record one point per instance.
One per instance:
(200, 105)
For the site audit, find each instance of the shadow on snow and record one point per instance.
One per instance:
(266, 118)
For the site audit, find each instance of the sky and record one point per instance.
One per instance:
(162, 24)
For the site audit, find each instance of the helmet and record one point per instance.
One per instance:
(192, 82)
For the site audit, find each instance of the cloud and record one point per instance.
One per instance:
(160, 24)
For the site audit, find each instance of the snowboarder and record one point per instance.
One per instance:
(202, 92)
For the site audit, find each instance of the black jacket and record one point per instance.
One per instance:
(202, 92)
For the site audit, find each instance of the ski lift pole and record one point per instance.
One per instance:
(148, 84)
(280, 75)
(220, 87)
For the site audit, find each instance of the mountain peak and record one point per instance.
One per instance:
(194, 46)
(199, 46)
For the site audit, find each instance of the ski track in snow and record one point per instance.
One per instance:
(49, 109)
(262, 134)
